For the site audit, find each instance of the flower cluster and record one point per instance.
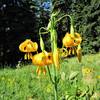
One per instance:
(71, 41)
(41, 59)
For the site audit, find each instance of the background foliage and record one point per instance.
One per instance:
(21, 19)
(86, 15)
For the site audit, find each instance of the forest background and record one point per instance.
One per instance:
(21, 19)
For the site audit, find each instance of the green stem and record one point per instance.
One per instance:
(71, 23)
(54, 49)
(55, 89)
(55, 84)
(61, 18)
(71, 20)
(50, 75)
(43, 32)
(43, 28)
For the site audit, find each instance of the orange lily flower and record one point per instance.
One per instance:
(72, 43)
(42, 59)
(69, 40)
(39, 59)
(28, 46)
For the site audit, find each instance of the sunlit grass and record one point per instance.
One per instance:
(23, 83)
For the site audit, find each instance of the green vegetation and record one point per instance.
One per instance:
(66, 79)
(22, 83)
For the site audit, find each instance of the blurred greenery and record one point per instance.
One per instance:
(21, 19)
(23, 83)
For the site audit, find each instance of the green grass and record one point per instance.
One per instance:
(23, 83)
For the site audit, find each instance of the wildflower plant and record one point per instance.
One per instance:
(45, 60)
(71, 42)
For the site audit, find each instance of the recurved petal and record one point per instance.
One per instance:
(28, 46)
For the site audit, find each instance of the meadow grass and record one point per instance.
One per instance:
(24, 84)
